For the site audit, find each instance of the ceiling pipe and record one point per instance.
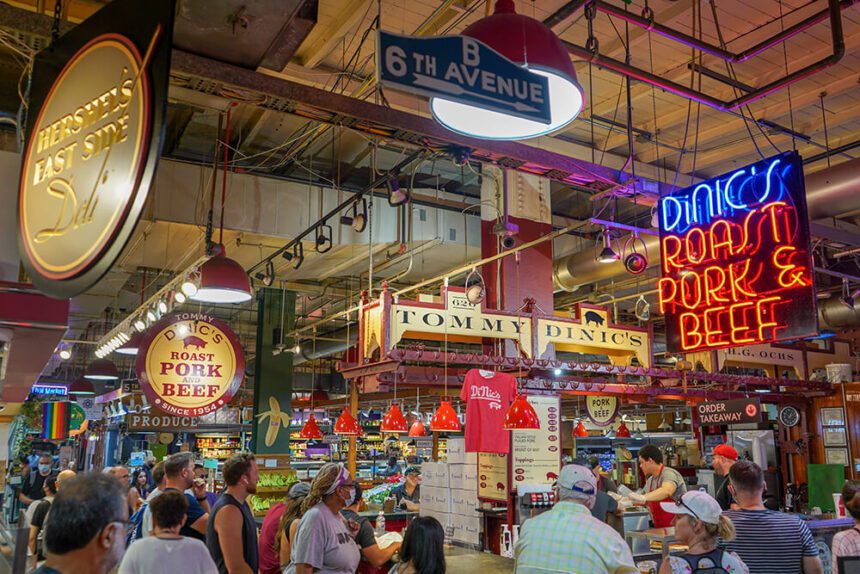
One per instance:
(834, 9)
(308, 351)
(833, 314)
(830, 192)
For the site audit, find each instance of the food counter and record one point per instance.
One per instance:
(395, 521)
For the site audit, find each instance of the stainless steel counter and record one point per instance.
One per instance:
(463, 561)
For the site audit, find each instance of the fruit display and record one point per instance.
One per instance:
(261, 504)
(280, 479)
(379, 493)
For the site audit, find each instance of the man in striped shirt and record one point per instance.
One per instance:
(768, 542)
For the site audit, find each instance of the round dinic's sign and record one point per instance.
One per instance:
(80, 193)
(602, 410)
(190, 364)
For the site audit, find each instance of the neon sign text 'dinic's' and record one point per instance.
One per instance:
(735, 259)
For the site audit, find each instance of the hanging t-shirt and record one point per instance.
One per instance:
(487, 400)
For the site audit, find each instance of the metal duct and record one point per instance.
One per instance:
(833, 314)
(831, 192)
(308, 350)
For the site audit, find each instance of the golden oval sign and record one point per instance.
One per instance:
(190, 364)
(83, 163)
(601, 409)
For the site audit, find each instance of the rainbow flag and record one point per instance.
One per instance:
(55, 420)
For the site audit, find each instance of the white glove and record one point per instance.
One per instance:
(615, 495)
(637, 498)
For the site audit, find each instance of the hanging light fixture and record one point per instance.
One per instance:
(131, 346)
(580, 430)
(394, 421)
(179, 297)
(535, 46)
(607, 254)
(445, 418)
(346, 424)
(396, 196)
(82, 386)
(475, 290)
(521, 415)
(358, 220)
(623, 431)
(222, 280)
(417, 428)
(189, 287)
(65, 353)
(101, 370)
(311, 430)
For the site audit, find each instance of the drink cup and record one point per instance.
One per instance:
(647, 567)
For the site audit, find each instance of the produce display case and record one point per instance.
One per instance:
(272, 488)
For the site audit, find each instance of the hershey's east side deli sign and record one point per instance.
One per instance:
(190, 364)
(94, 133)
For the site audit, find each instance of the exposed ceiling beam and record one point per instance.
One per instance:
(327, 35)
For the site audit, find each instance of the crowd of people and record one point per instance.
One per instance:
(100, 523)
(92, 523)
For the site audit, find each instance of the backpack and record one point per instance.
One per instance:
(41, 551)
(713, 557)
(134, 530)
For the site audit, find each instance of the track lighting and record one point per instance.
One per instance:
(140, 324)
(475, 290)
(607, 254)
(358, 221)
(268, 277)
(324, 238)
(297, 256)
(179, 298)
(642, 310)
(162, 307)
(65, 354)
(396, 196)
(189, 287)
(150, 316)
(634, 262)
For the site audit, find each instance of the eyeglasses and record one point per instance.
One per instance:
(680, 502)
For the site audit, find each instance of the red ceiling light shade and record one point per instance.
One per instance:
(521, 415)
(82, 386)
(101, 370)
(394, 421)
(310, 430)
(534, 45)
(417, 429)
(580, 430)
(445, 418)
(222, 280)
(346, 424)
(623, 431)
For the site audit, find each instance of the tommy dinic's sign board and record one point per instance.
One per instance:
(94, 130)
(385, 323)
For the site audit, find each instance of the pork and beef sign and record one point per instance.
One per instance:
(190, 364)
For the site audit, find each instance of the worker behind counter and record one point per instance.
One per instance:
(393, 468)
(661, 485)
(408, 493)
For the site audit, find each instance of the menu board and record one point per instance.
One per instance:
(536, 454)
(493, 476)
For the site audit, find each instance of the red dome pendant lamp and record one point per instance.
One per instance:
(533, 45)
(417, 428)
(623, 431)
(311, 430)
(445, 419)
(521, 415)
(394, 421)
(579, 430)
(346, 425)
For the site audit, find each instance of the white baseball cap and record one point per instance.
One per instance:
(698, 504)
(578, 478)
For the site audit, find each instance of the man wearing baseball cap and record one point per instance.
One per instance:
(699, 524)
(568, 538)
(725, 456)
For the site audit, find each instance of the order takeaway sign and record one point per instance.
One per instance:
(729, 412)
(190, 364)
(94, 134)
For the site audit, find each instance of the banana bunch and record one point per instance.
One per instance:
(259, 504)
(277, 479)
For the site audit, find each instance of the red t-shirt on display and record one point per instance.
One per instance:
(487, 400)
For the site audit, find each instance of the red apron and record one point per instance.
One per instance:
(661, 518)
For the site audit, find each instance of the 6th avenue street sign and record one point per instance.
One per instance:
(464, 70)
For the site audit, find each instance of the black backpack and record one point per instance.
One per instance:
(709, 563)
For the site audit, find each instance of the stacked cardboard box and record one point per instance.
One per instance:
(449, 493)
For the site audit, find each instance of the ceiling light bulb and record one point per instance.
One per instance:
(557, 372)
(65, 354)
(162, 307)
(607, 254)
(179, 297)
(140, 325)
(189, 288)
(150, 316)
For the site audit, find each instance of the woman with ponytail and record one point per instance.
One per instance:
(323, 541)
(699, 523)
(847, 542)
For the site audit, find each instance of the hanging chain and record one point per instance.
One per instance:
(55, 25)
(590, 12)
(821, 96)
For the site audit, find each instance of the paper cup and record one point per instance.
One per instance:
(837, 504)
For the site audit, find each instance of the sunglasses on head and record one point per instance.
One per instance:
(680, 502)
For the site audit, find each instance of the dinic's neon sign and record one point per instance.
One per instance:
(736, 259)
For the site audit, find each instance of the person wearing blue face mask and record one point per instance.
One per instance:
(33, 487)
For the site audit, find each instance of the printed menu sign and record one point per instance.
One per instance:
(493, 476)
(190, 364)
(94, 132)
(536, 454)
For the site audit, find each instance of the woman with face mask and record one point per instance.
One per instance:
(324, 542)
